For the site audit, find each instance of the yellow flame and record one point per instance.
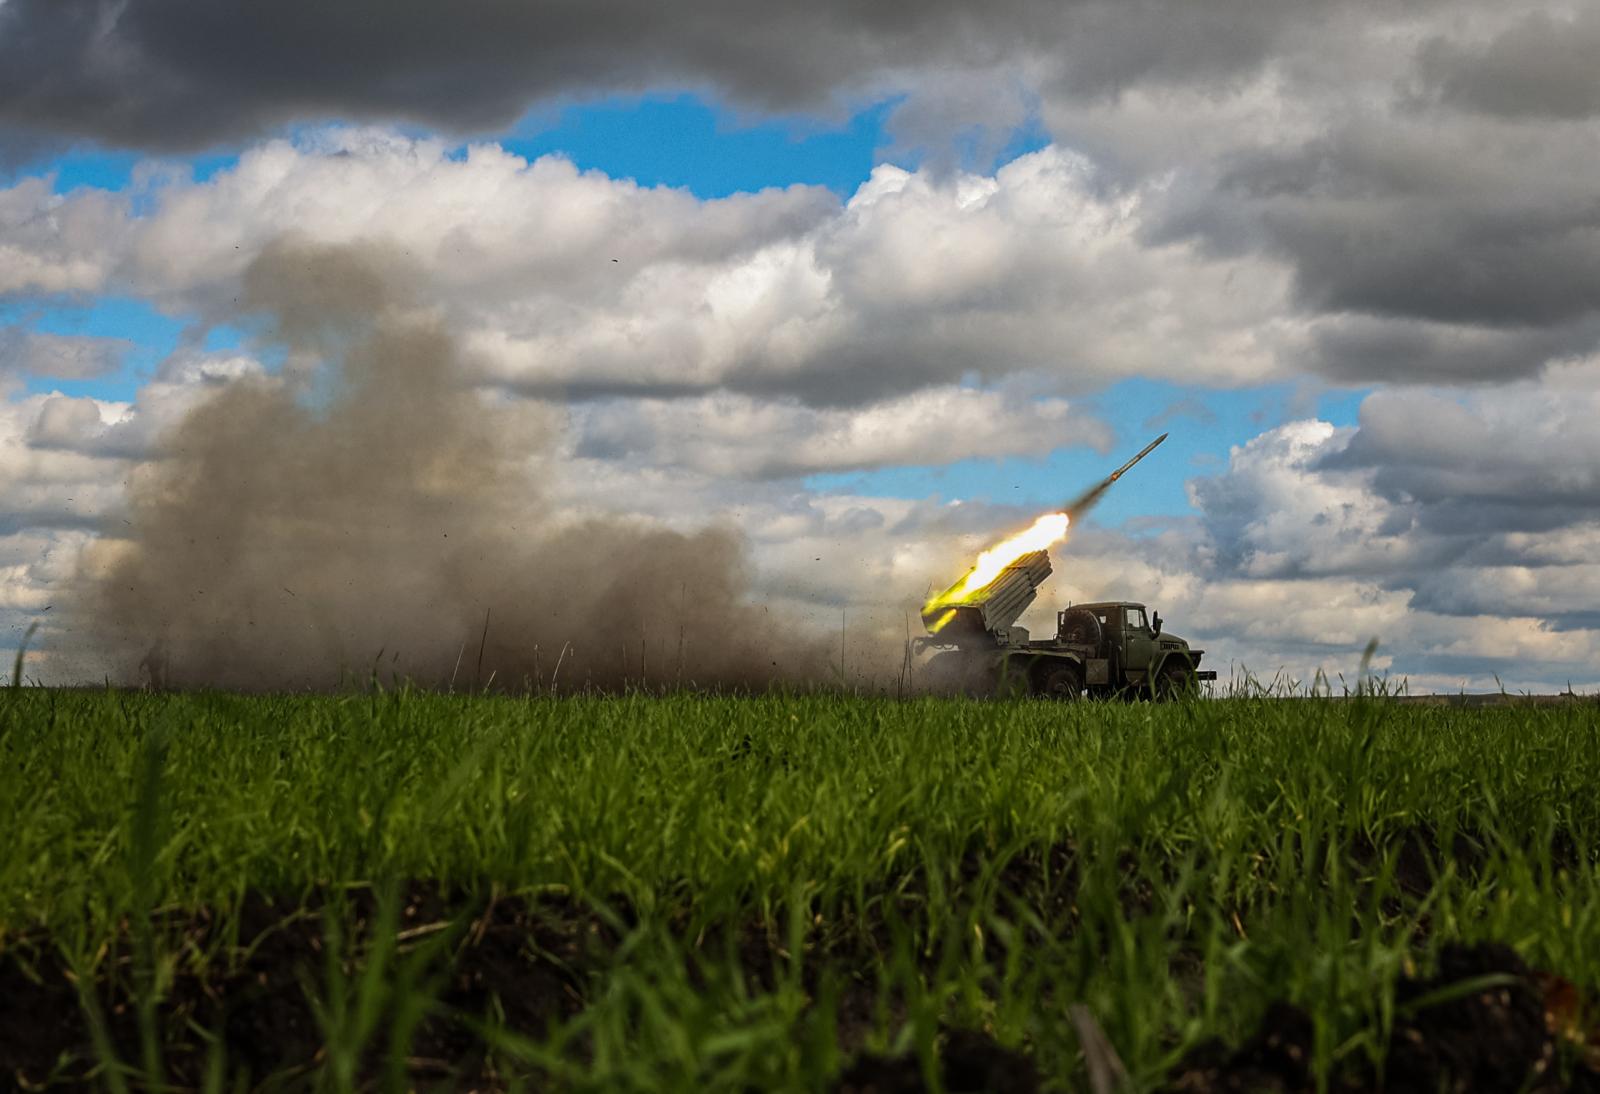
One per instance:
(1047, 530)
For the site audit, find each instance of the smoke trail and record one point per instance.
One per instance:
(298, 525)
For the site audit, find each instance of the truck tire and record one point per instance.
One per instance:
(1174, 683)
(1063, 682)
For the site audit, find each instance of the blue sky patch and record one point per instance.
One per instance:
(682, 141)
(153, 335)
(103, 170)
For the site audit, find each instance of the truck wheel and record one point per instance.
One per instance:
(1173, 684)
(1061, 682)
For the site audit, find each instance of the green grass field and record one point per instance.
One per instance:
(408, 891)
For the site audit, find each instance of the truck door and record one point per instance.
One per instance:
(1139, 644)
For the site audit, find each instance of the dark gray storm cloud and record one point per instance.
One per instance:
(1393, 217)
(178, 73)
(1528, 467)
(1435, 245)
(173, 74)
(1543, 66)
(1366, 349)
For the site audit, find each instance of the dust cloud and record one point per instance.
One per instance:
(365, 512)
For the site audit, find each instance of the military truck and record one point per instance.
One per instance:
(1103, 650)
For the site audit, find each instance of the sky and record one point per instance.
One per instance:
(876, 284)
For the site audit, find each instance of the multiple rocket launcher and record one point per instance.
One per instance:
(960, 614)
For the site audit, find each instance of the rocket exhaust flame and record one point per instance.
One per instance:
(1043, 534)
(1040, 536)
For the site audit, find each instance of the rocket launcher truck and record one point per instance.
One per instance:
(1102, 649)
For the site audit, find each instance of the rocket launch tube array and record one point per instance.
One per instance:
(1000, 603)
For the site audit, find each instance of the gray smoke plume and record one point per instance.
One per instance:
(367, 512)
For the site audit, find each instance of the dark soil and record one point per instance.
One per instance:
(1503, 1035)
(529, 962)
(40, 1018)
(1420, 856)
(532, 963)
(969, 1062)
